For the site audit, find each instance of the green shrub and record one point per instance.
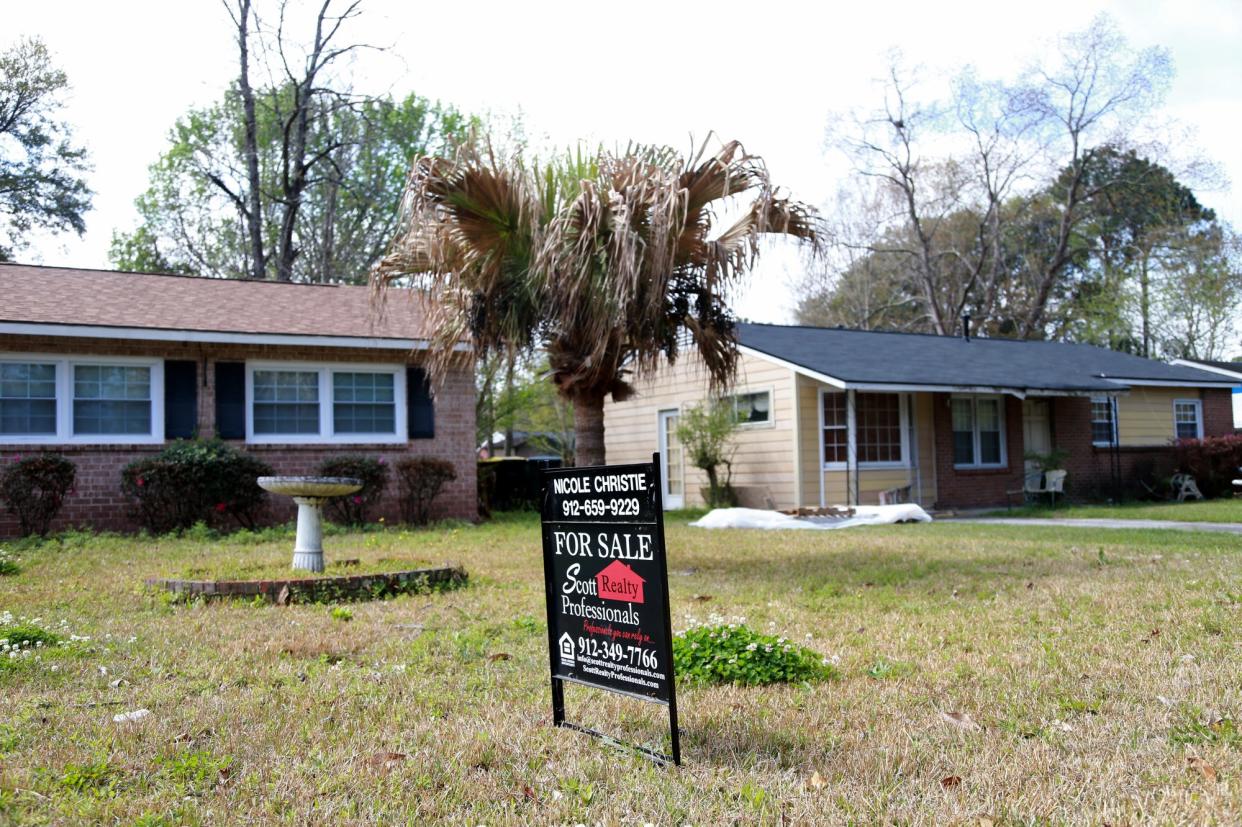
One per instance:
(706, 433)
(733, 653)
(421, 480)
(355, 509)
(1213, 461)
(194, 481)
(24, 634)
(22, 642)
(34, 489)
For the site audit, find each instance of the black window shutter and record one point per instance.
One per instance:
(420, 409)
(180, 399)
(231, 400)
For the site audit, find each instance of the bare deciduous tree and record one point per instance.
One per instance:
(964, 175)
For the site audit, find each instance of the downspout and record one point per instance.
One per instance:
(1116, 450)
(916, 467)
(851, 452)
(797, 439)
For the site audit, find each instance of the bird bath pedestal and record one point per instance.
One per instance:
(310, 493)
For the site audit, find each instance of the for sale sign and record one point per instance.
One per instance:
(607, 583)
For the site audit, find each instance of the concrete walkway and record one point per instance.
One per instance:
(1172, 525)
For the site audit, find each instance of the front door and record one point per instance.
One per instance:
(672, 464)
(1036, 428)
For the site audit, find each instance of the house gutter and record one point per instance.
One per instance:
(1186, 363)
(150, 334)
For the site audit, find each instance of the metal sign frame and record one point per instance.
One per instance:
(666, 643)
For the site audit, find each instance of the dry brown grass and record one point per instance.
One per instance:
(1096, 665)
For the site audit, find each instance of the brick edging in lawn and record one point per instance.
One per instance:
(319, 589)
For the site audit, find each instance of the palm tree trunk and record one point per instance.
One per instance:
(589, 430)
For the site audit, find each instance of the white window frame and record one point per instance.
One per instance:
(851, 431)
(1112, 407)
(64, 400)
(974, 423)
(1198, 406)
(771, 394)
(327, 435)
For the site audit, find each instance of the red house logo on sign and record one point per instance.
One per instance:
(617, 581)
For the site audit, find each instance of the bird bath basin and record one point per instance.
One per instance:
(310, 493)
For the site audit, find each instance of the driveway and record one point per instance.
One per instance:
(1172, 525)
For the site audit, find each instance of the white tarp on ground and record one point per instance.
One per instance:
(863, 515)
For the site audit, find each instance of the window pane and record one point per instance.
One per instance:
(1186, 420)
(834, 410)
(878, 418)
(836, 441)
(963, 432)
(27, 399)
(963, 448)
(963, 416)
(988, 414)
(27, 416)
(111, 400)
(835, 446)
(989, 448)
(364, 403)
(111, 417)
(286, 402)
(286, 418)
(1102, 421)
(753, 407)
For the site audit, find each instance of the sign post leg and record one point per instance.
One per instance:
(558, 703)
(668, 625)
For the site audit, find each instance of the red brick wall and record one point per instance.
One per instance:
(1091, 475)
(967, 487)
(1217, 412)
(97, 500)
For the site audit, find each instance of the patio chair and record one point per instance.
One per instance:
(1032, 481)
(1185, 486)
(1054, 483)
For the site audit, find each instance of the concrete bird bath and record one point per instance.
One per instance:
(310, 493)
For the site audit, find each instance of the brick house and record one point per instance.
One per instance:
(834, 416)
(106, 367)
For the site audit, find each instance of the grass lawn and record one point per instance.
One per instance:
(1103, 671)
(1194, 511)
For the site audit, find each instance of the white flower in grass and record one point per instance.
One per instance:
(767, 647)
(750, 647)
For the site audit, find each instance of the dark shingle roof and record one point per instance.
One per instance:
(866, 357)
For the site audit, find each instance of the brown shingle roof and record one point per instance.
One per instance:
(60, 295)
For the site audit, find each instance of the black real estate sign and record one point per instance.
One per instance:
(606, 575)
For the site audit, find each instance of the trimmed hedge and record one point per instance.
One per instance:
(194, 481)
(1214, 461)
(422, 479)
(34, 489)
(355, 509)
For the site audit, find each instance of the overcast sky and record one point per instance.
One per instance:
(770, 74)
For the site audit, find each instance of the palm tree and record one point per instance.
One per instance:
(604, 262)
